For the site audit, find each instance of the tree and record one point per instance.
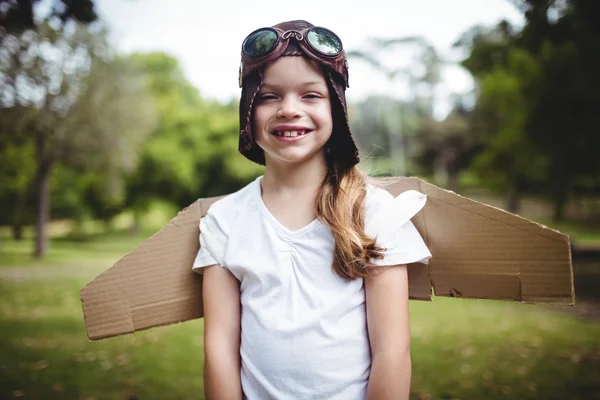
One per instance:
(17, 172)
(549, 73)
(19, 26)
(506, 78)
(423, 77)
(71, 99)
(445, 148)
(17, 16)
(509, 162)
(192, 152)
(565, 37)
(375, 125)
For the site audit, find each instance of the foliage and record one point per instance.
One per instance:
(505, 160)
(19, 15)
(66, 96)
(193, 150)
(509, 162)
(445, 148)
(537, 100)
(406, 131)
(17, 171)
(565, 37)
(373, 121)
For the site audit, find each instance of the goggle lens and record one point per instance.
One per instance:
(324, 41)
(260, 43)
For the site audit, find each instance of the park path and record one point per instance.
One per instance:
(33, 273)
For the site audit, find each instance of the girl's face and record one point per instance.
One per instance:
(292, 117)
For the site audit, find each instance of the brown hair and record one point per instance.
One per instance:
(340, 203)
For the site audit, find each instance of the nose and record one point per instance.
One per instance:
(288, 108)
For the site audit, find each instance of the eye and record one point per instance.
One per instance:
(312, 95)
(266, 96)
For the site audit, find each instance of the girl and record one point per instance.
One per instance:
(305, 287)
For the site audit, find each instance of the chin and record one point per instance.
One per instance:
(294, 157)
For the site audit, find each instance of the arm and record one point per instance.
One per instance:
(389, 334)
(221, 300)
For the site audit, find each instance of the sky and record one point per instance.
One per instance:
(206, 36)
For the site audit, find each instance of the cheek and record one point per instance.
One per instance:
(325, 117)
(258, 120)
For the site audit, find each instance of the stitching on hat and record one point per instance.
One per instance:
(340, 99)
(245, 140)
(247, 130)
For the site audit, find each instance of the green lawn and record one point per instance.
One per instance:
(462, 349)
(580, 232)
(101, 249)
(45, 352)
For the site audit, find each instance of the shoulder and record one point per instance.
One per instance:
(383, 209)
(226, 210)
(376, 196)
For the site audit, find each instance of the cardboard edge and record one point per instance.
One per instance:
(432, 260)
(535, 228)
(549, 233)
(203, 204)
(111, 335)
(90, 286)
(173, 221)
(573, 295)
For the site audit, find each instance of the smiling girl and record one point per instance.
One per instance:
(305, 288)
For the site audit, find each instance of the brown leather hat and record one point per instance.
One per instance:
(292, 42)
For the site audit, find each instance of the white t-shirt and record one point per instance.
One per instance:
(303, 328)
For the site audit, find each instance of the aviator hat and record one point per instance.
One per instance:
(292, 39)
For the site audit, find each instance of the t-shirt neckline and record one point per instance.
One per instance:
(274, 221)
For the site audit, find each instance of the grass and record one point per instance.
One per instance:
(96, 250)
(461, 349)
(580, 231)
(45, 353)
(93, 246)
(494, 350)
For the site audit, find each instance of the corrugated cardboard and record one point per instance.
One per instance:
(479, 252)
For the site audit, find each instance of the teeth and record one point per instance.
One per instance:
(290, 133)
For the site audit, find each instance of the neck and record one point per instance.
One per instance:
(280, 176)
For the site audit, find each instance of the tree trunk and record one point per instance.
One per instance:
(560, 201)
(43, 186)
(136, 227)
(512, 201)
(560, 195)
(17, 231)
(452, 180)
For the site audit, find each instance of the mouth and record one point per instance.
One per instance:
(291, 131)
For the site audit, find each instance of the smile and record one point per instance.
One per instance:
(290, 133)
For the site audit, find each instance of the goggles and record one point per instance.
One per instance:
(266, 44)
(263, 41)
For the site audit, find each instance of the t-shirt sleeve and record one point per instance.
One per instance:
(388, 220)
(213, 242)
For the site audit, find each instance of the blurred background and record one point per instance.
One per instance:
(115, 114)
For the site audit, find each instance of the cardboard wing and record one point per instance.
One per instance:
(479, 252)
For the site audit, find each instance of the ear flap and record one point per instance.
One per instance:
(343, 148)
(247, 144)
